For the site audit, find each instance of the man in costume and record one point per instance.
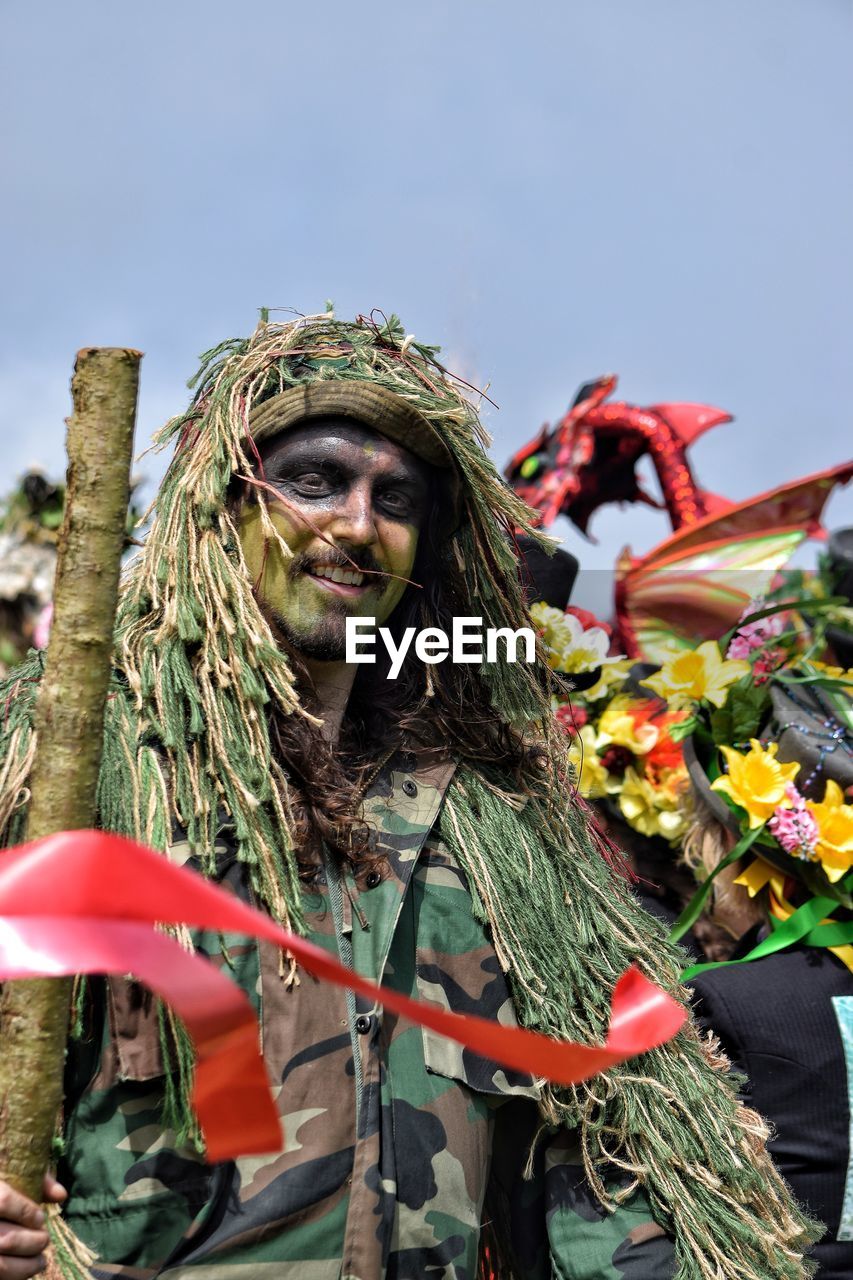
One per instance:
(423, 828)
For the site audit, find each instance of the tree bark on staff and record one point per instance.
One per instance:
(69, 729)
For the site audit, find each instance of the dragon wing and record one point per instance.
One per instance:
(699, 581)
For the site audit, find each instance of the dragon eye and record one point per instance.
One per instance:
(530, 466)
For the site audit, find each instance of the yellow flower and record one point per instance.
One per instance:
(697, 675)
(592, 775)
(834, 820)
(551, 624)
(671, 824)
(648, 810)
(617, 727)
(613, 674)
(756, 781)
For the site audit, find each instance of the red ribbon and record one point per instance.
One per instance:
(85, 901)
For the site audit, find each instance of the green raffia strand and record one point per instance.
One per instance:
(693, 910)
(186, 746)
(79, 1000)
(71, 1260)
(179, 1064)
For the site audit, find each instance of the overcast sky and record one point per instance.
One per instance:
(551, 190)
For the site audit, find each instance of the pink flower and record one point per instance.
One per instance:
(755, 635)
(739, 648)
(794, 826)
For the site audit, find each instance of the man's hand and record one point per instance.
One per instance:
(23, 1238)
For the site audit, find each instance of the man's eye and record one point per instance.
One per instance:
(310, 482)
(396, 501)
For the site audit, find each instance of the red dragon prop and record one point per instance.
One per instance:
(721, 554)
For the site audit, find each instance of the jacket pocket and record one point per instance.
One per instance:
(456, 967)
(134, 1021)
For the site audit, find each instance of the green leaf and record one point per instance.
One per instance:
(694, 907)
(749, 703)
(682, 729)
(721, 724)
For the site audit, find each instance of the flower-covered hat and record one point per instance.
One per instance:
(769, 750)
(789, 782)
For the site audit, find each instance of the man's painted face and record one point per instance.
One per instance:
(368, 498)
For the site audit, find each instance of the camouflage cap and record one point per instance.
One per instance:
(367, 403)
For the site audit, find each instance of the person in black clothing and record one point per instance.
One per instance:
(785, 1020)
(779, 1020)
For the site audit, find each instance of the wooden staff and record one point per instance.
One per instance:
(70, 728)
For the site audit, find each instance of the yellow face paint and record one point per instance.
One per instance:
(265, 560)
(349, 511)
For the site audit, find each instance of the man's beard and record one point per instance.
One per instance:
(323, 637)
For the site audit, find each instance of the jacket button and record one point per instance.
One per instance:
(372, 879)
(362, 1024)
(410, 788)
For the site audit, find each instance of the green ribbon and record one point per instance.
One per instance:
(694, 907)
(804, 926)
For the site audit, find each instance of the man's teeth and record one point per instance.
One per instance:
(349, 577)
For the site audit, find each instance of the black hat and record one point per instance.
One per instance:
(546, 577)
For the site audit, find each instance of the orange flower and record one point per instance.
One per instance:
(665, 754)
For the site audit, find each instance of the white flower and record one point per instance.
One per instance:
(571, 647)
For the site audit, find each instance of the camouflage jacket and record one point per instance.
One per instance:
(404, 1156)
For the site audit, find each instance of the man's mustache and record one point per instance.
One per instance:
(361, 560)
